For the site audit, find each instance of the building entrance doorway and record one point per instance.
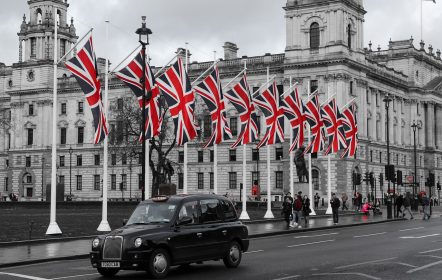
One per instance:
(28, 192)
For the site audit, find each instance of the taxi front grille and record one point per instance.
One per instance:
(112, 248)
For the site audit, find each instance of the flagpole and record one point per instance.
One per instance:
(215, 156)
(292, 181)
(421, 21)
(124, 59)
(204, 73)
(53, 228)
(244, 214)
(185, 144)
(269, 214)
(73, 48)
(104, 225)
(310, 175)
(329, 209)
(256, 93)
(165, 65)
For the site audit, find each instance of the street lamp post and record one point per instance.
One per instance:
(414, 127)
(387, 101)
(70, 171)
(143, 34)
(42, 175)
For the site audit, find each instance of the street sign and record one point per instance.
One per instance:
(410, 178)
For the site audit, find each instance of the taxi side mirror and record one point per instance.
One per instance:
(125, 222)
(184, 221)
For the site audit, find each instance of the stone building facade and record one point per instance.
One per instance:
(324, 49)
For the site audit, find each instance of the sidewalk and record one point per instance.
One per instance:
(33, 252)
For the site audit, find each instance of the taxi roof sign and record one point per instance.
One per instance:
(160, 198)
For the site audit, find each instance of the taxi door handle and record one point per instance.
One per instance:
(199, 234)
(224, 232)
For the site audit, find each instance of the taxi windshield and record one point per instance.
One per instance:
(154, 212)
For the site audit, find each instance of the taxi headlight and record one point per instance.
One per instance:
(138, 242)
(95, 243)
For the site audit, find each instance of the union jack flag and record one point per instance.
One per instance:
(271, 105)
(313, 117)
(350, 125)
(333, 126)
(241, 99)
(211, 92)
(84, 68)
(294, 112)
(131, 75)
(180, 98)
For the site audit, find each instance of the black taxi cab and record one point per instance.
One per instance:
(168, 231)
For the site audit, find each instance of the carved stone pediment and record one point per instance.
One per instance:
(80, 123)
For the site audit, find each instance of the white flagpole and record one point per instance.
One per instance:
(269, 214)
(244, 214)
(53, 226)
(310, 176)
(421, 21)
(215, 157)
(329, 209)
(292, 181)
(232, 80)
(104, 225)
(185, 144)
(147, 181)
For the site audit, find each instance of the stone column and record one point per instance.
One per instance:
(429, 125)
(438, 109)
(20, 50)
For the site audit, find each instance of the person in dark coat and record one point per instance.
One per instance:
(306, 209)
(399, 204)
(287, 209)
(335, 203)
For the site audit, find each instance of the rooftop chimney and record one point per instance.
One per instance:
(230, 51)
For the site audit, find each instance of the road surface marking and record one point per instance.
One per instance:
(348, 273)
(407, 229)
(317, 235)
(287, 277)
(74, 276)
(431, 256)
(23, 276)
(405, 264)
(424, 267)
(366, 235)
(251, 252)
(419, 237)
(430, 251)
(362, 263)
(311, 243)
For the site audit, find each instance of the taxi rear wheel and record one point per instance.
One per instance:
(233, 258)
(159, 263)
(108, 272)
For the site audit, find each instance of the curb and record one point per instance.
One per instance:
(41, 241)
(252, 236)
(310, 217)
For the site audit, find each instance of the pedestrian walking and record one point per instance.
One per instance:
(297, 210)
(359, 201)
(344, 199)
(316, 200)
(425, 206)
(306, 209)
(287, 208)
(399, 204)
(407, 206)
(335, 203)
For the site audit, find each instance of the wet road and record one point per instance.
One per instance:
(399, 250)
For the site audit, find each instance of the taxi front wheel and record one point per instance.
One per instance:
(107, 272)
(159, 263)
(233, 259)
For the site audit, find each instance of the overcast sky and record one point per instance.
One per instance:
(256, 26)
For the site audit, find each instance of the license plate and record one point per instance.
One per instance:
(110, 264)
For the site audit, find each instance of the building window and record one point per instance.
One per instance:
(114, 159)
(62, 47)
(279, 179)
(180, 181)
(255, 154)
(112, 134)
(80, 135)
(315, 179)
(314, 36)
(31, 109)
(140, 182)
(113, 181)
(97, 159)
(28, 179)
(349, 36)
(351, 87)
(211, 155)
(123, 159)
(200, 156)
(63, 109)
(313, 85)
(417, 108)
(120, 104)
(6, 184)
(200, 181)
(79, 160)
(255, 177)
(79, 182)
(234, 126)
(96, 182)
(63, 136)
(124, 181)
(380, 157)
(61, 180)
(211, 178)
(80, 107)
(7, 163)
(232, 180)
(279, 153)
(371, 156)
(61, 161)
(28, 161)
(207, 126)
(30, 136)
(232, 155)
(33, 47)
(181, 157)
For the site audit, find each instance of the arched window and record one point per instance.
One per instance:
(315, 179)
(58, 17)
(314, 36)
(349, 36)
(39, 16)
